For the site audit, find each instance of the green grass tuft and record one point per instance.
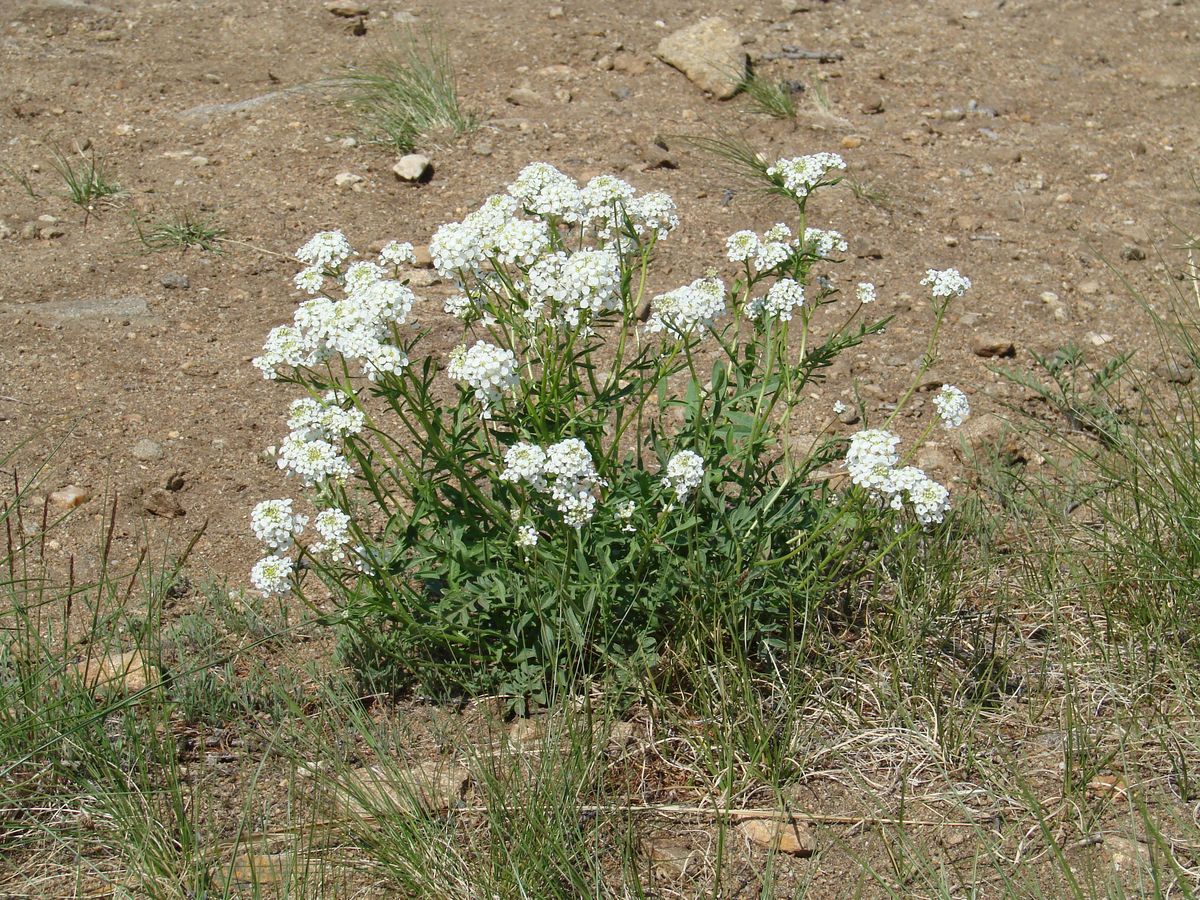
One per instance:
(406, 94)
(180, 230)
(774, 98)
(89, 185)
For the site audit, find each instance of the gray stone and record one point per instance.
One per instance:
(413, 167)
(175, 281)
(63, 312)
(209, 110)
(709, 53)
(147, 450)
(348, 180)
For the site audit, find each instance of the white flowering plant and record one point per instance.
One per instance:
(553, 496)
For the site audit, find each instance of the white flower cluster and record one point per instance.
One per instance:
(688, 309)
(946, 282)
(871, 462)
(822, 243)
(488, 370)
(576, 286)
(564, 470)
(783, 297)
(314, 460)
(772, 249)
(865, 292)
(274, 523)
(312, 419)
(395, 253)
(801, 174)
(358, 327)
(333, 526)
(685, 471)
(545, 191)
(325, 249)
(272, 574)
(952, 406)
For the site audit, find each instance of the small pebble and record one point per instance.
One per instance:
(413, 167)
(147, 450)
(991, 345)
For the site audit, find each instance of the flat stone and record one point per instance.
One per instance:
(709, 53)
(431, 787)
(69, 497)
(524, 96)
(348, 180)
(147, 450)
(347, 9)
(207, 110)
(794, 838)
(252, 869)
(175, 281)
(672, 859)
(64, 312)
(413, 167)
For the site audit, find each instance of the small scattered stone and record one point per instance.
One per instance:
(849, 415)
(175, 281)
(349, 180)
(414, 167)
(147, 450)
(50, 232)
(524, 96)
(347, 9)
(29, 231)
(672, 859)
(1132, 252)
(1063, 199)
(210, 78)
(198, 162)
(1049, 297)
(421, 256)
(1126, 855)
(161, 502)
(851, 142)
(1105, 787)
(483, 148)
(969, 319)
(554, 12)
(872, 107)
(992, 345)
(1098, 339)
(709, 53)
(349, 142)
(69, 497)
(793, 838)
(658, 156)
(562, 95)
(953, 115)
(1089, 288)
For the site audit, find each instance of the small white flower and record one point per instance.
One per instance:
(871, 458)
(801, 174)
(783, 297)
(455, 248)
(823, 242)
(741, 246)
(272, 574)
(684, 472)
(772, 254)
(274, 523)
(314, 461)
(654, 213)
(952, 406)
(625, 515)
(361, 275)
(838, 407)
(946, 282)
(527, 536)
(326, 249)
(865, 292)
(688, 309)
(309, 280)
(394, 253)
(545, 191)
(488, 370)
(333, 526)
(525, 462)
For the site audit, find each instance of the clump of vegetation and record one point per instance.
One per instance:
(406, 94)
(180, 230)
(774, 98)
(89, 184)
(593, 487)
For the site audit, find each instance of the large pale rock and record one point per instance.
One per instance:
(432, 787)
(793, 838)
(709, 53)
(118, 673)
